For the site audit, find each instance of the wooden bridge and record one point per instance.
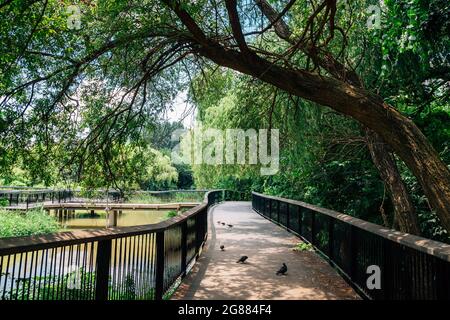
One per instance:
(86, 205)
(49, 199)
(119, 206)
(150, 262)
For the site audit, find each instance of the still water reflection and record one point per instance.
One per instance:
(85, 220)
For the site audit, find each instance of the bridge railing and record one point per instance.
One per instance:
(26, 197)
(140, 262)
(30, 196)
(166, 196)
(411, 267)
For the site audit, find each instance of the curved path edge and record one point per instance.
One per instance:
(217, 276)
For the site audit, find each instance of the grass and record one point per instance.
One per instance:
(34, 222)
(65, 288)
(4, 202)
(165, 198)
(171, 213)
(303, 246)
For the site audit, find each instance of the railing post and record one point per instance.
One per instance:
(267, 207)
(183, 248)
(330, 237)
(353, 251)
(270, 208)
(260, 203)
(299, 217)
(313, 227)
(205, 226)
(385, 281)
(103, 259)
(288, 218)
(159, 285)
(199, 235)
(278, 211)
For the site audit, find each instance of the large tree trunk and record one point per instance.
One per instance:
(399, 132)
(405, 213)
(381, 157)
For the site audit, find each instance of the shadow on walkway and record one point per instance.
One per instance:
(216, 275)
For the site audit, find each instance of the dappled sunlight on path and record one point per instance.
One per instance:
(217, 275)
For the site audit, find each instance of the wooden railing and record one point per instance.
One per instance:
(140, 262)
(25, 198)
(411, 267)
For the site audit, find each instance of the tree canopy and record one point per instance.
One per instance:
(77, 85)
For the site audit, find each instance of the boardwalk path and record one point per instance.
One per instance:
(218, 276)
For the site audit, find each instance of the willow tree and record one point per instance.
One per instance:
(134, 54)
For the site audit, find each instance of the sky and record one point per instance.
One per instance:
(182, 110)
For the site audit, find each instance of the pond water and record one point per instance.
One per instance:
(49, 268)
(84, 220)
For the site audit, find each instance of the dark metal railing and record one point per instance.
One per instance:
(140, 262)
(411, 267)
(231, 195)
(28, 197)
(167, 196)
(25, 198)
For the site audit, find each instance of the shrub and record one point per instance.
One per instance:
(34, 222)
(171, 214)
(3, 202)
(303, 246)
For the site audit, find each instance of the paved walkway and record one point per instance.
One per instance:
(216, 275)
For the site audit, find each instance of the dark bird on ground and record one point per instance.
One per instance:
(219, 222)
(230, 225)
(222, 247)
(242, 259)
(282, 270)
(223, 223)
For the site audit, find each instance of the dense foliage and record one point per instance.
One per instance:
(83, 106)
(324, 159)
(34, 222)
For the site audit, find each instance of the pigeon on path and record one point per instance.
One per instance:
(222, 247)
(230, 225)
(242, 259)
(282, 270)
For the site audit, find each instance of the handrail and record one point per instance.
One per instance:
(28, 243)
(171, 191)
(17, 244)
(411, 267)
(148, 259)
(44, 190)
(34, 196)
(29, 196)
(425, 245)
(27, 191)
